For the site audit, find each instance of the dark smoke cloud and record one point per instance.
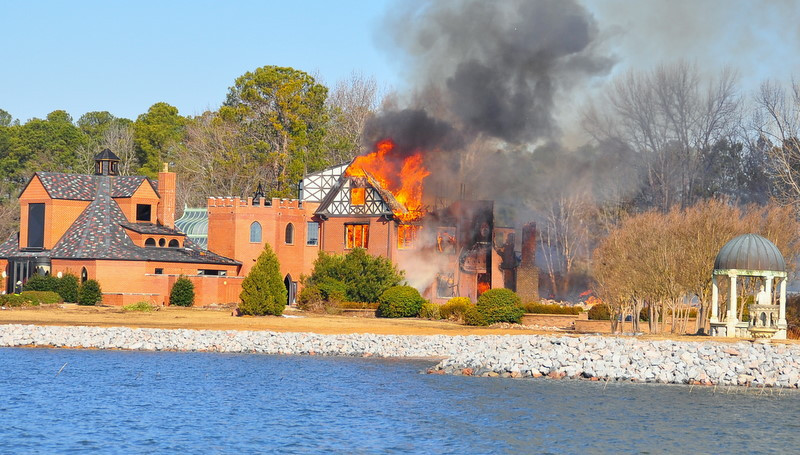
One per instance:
(498, 65)
(486, 77)
(412, 130)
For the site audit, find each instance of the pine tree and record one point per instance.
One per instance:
(263, 291)
(182, 293)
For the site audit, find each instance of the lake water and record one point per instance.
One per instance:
(157, 402)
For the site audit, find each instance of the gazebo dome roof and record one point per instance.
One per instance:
(750, 252)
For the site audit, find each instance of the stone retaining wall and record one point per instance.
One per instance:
(591, 357)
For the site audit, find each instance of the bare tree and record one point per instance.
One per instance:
(351, 103)
(118, 138)
(777, 123)
(211, 163)
(671, 118)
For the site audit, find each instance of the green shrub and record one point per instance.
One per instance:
(474, 317)
(600, 312)
(310, 299)
(359, 276)
(500, 305)
(41, 283)
(357, 305)
(539, 308)
(332, 289)
(89, 293)
(263, 291)
(142, 306)
(399, 302)
(182, 293)
(430, 311)
(68, 288)
(16, 300)
(46, 297)
(455, 308)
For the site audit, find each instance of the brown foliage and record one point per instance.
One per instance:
(659, 259)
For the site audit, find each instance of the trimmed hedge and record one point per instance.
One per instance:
(16, 300)
(474, 317)
(46, 297)
(600, 312)
(41, 283)
(66, 286)
(500, 305)
(540, 308)
(142, 306)
(182, 293)
(89, 293)
(399, 302)
(455, 308)
(430, 311)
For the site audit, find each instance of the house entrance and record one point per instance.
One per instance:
(291, 289)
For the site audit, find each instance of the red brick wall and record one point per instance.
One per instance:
(137, 277)
(229, 222)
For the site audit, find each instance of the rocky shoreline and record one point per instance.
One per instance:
(587, 357)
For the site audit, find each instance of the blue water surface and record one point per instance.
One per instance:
(168, 402)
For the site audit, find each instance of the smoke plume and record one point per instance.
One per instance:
(486, 77)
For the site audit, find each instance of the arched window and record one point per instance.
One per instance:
(255, 232)
(150, 242)
(162, 242)
(174, 243)
(84, 275)
(290, 233)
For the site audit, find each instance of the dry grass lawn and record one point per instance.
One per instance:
(221, 319)
(297, 321)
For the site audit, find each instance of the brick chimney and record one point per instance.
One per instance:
(166, 188)
(527, 272)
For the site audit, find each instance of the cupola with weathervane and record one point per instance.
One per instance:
(106, 163)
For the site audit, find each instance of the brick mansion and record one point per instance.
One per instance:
(121, 231)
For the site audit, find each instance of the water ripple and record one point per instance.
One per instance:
(155, 402)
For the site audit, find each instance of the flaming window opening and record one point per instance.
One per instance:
(358, 196)
(401, 176)
(407, 235)
(356, 236)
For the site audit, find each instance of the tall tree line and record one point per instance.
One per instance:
(276, 124)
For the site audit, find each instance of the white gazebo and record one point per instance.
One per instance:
(750, 255)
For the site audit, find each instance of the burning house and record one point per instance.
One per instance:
(106, 226)
(376, 203)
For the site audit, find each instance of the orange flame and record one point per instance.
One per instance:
(483, 287)
(403, 178)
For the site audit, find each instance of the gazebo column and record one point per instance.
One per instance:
(714, 299)
(732, 320)
(781, 333)
(768, 288)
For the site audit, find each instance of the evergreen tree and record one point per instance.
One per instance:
(263, 291)
(67, 288)
(90, 293)
(182, 293)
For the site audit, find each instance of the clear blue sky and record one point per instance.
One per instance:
(123, 56)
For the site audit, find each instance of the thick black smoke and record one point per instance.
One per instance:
(495, 66)
(486, 76)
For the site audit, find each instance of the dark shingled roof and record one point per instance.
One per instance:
(150, 228)
(750, 252)
(82, 187)
(106, 154)
(98, 233)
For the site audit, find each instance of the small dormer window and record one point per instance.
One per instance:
(143, 212)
